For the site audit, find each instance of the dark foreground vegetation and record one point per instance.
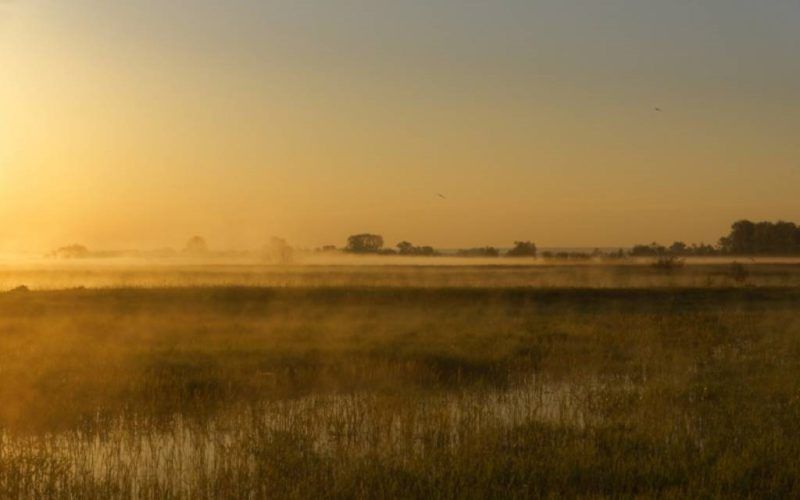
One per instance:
(664, 272)
(400, 392)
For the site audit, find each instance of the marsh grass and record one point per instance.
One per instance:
(399, 392)
(409, 272)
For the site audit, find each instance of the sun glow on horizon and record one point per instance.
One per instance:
(136, 125)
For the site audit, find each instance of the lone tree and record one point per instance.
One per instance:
(405, 248)
(279, 251)
(196, 246)
(522, 249)
(72, 252)
(364, 243)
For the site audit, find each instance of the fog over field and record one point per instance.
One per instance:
(438, 272)
(417, 249)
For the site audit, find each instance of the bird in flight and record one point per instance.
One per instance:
(657, 109)
(440, 195)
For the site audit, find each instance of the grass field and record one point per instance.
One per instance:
(402, 391)
(419, 272)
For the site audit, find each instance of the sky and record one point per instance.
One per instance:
(138, 123)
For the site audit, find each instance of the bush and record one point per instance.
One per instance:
(667, 263)
(738, 273)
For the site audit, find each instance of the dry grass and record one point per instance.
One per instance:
(438, 272)
(399, 392)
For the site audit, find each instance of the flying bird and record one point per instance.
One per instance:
(440, 195)
(657, 109)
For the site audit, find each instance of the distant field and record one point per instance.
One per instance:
(425, 391)
(438, 272)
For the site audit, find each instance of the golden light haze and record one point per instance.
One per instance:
(138, 124)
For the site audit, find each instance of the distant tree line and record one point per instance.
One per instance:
(522, 249)
(364, 243)
(406, 248)
(762, 238)
(71, 252)
(576, 255)
(479, 252)
(678, 248)
(368, 243)
(745, 238)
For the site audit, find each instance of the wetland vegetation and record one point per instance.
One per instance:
(400, 391)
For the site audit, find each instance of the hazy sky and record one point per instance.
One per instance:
(138, 123)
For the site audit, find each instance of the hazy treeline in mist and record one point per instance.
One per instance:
(745, 238)
(276, 250)
(373, 243)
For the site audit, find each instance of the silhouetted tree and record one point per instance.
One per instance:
(364, 243)
(772, 238)
(618, 254)
(738, 272)
(570, 255)
(196, 246)
(72, 252)
(678, 248)
(522, 249)
(651, 250)
(479, 252)
(279, 251)
(745, 238)
(667, 263)
(406, 248)
(702, 250)
(741, 239)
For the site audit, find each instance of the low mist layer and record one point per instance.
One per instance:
(378, 393)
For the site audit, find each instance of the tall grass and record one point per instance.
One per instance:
(414, 393)
(409, 272)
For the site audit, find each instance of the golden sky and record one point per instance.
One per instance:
(140, 123)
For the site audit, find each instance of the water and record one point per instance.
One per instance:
(178, 450)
